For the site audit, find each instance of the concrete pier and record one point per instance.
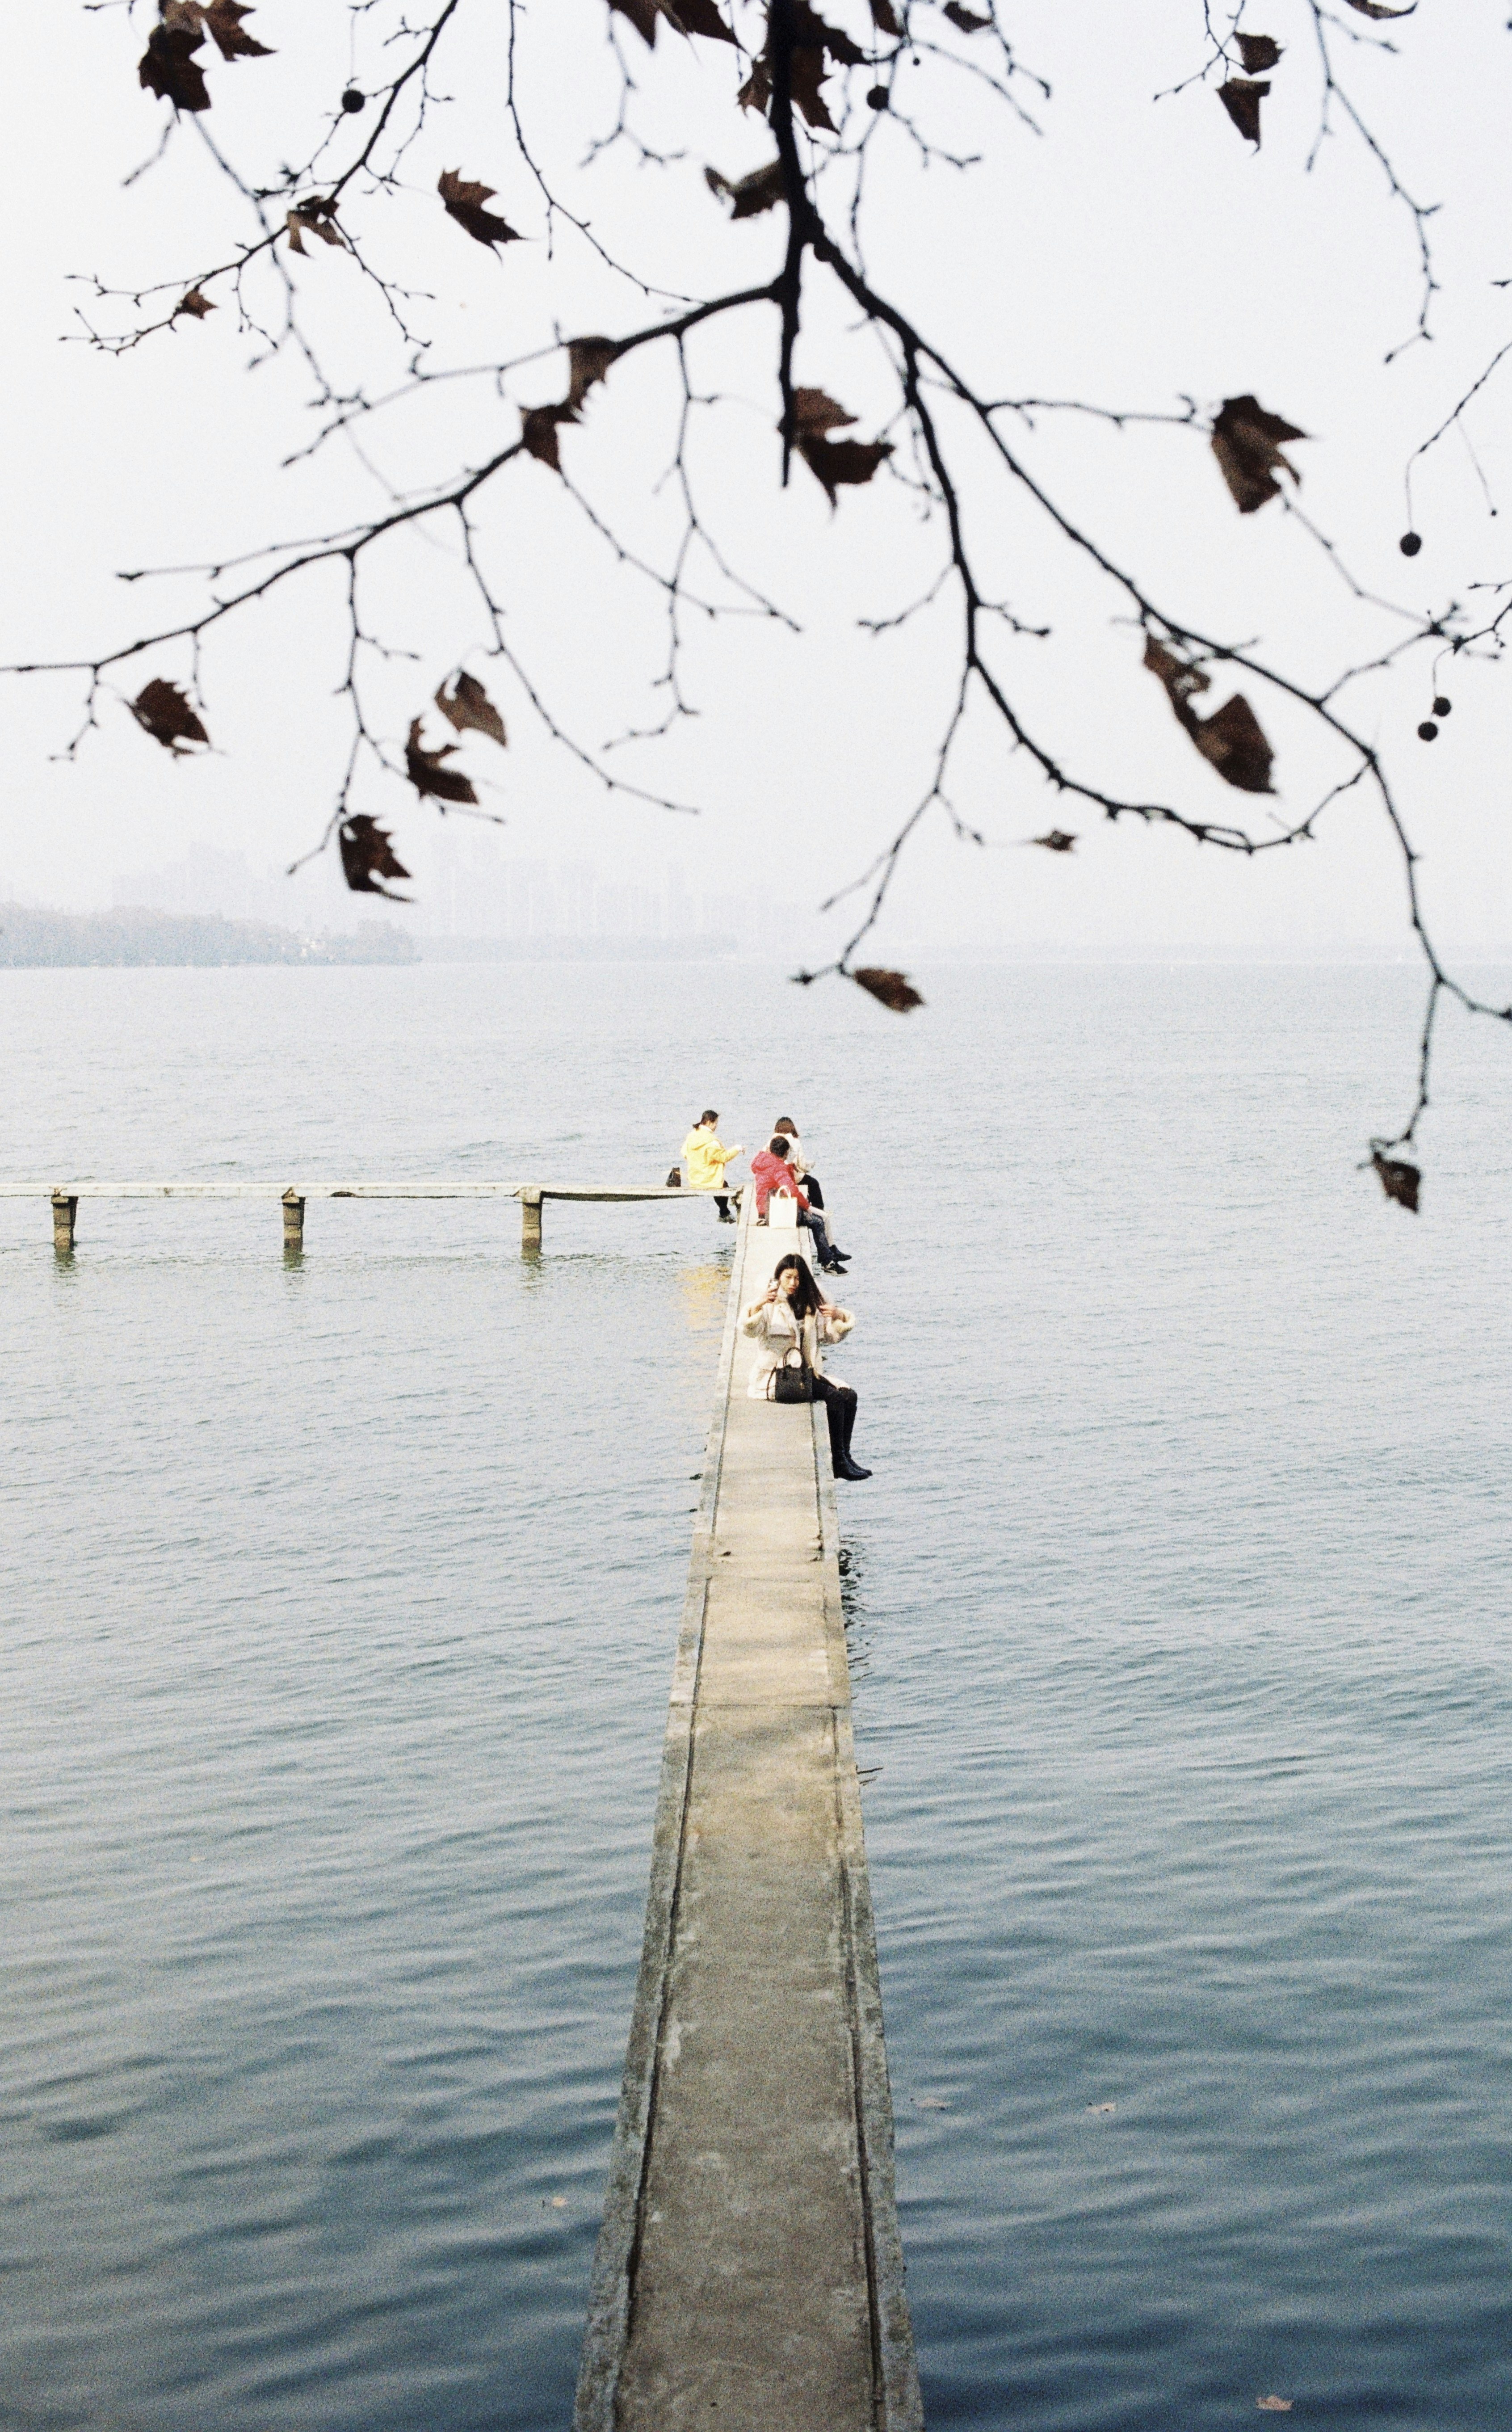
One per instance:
(749, 2273)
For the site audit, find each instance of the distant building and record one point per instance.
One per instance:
(209, 881)
(477, 890)
(466, 887)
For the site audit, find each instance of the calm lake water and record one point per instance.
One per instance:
(337, 1611)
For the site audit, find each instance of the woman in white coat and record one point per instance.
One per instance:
(791, 1322)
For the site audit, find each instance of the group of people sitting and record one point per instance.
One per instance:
(791, 1321)
(778, 1166)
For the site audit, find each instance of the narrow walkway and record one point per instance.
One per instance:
(749, 2273)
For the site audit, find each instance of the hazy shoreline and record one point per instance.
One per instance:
(134, 937)
(137, 938)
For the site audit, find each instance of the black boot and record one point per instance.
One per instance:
(843, 1465)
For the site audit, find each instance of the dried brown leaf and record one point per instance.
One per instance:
(1180, 678)
(890, 988)
(813, 413)
(811, 33)
(642, 15)
(222, 20)
(1259, 52)
(697, 17)
(749, 194)
(835, 462)
(756, 93)
(1374, 9)
(806, 72)
(1056, 841)
(367, 856)
(1241, 97)
(427, 774)
(588, 361)
(1399, 1181)
(843, 464)
(885, 18)
(814, 44)
(538, 431)
(163, 711)
(167, 66)
(468, 704)
(968, 19)
(1247, 442)
(313, 218)
(1235, 742)
(1232, 740)
(840, 46)
(195, 304)
(464, 198)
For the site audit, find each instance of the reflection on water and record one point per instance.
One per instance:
(701, 1292)
(337, 1611)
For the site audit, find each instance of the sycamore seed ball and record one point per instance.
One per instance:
(1410, 544)
(1441, 706)
(353, 101)
(1427, 731)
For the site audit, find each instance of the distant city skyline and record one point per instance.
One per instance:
(475, 888)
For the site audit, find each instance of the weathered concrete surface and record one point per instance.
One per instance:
(748, 2273)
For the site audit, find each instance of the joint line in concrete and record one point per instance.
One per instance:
(610, 2290)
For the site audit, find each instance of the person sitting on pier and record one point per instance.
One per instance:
(770, 1172)
(790, 1321)
(704, 1161)
(810, 1180)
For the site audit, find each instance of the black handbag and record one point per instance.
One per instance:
(789, 1384)
(674, 1180)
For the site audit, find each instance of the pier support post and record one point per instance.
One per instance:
(530, 1219)
(294, 1224)
(65, 1211)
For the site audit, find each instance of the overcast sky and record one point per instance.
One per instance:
(1131, 253)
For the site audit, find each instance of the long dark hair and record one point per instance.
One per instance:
(808, 1300)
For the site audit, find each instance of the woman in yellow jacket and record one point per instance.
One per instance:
(704, 1163)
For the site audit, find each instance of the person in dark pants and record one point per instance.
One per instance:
(705, 1157)
(770, 1171)
(791, 1322)
(810, 1180)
